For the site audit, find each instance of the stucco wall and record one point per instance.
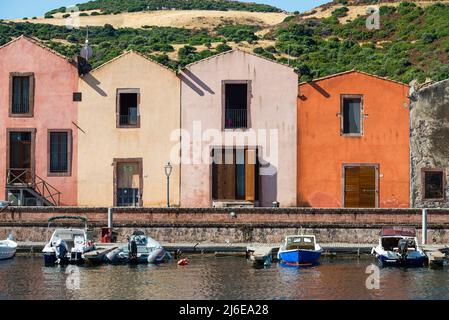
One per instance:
(101, 141)
(322, 150)
(430, 139)
(55, 83)
(272, 106)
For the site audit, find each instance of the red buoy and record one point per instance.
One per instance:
(183, 262)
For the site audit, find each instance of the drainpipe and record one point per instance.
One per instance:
(424, 227)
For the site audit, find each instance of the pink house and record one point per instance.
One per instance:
(38, 125)
(238, 127)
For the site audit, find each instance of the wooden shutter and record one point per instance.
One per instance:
(228, 181)
(217, 175)
(367, 183)
(352, 187)
(250, 175)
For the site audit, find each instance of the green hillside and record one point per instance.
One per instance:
(412, 42)
(118, 6)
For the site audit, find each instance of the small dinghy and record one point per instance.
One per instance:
(67, 245)
(398, 246)
(300, 250)
(140, 249)
(7, 248)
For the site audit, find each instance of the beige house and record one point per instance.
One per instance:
(129, 109)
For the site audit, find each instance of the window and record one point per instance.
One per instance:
(351, 115)
(22, 94)
(77, 97)
(236, 104)
(128, 101)
(59, 152)
(433, 184)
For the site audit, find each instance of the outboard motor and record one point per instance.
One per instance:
(403, 248)
(61, 250)
(132, 247)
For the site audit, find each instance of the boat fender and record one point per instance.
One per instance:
(183, 262)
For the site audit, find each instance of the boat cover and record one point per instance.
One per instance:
(399, 231)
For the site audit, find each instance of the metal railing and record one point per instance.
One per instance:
(129, 119)
(236, 118)
(26, 178)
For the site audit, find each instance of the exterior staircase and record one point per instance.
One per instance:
(25, 188)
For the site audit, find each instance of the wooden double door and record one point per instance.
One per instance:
(361, 186)
(235, 174)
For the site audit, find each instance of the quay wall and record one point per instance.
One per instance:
(217, 225)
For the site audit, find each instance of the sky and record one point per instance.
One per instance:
(14, 9)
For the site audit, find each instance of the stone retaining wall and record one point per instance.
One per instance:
(217, 225)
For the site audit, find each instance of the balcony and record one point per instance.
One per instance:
(236, 118)
(130, 118)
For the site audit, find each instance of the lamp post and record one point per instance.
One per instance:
(168, 169)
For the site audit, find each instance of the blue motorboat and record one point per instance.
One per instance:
(300, 250)
(398, 246)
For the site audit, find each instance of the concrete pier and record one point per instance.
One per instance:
(36, 247)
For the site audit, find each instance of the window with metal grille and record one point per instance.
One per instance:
(128, 108)
(60, 145)
(21, 95)
(236, 105)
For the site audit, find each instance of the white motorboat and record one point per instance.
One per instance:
(7, 248)
(67, 245)
(399, 246)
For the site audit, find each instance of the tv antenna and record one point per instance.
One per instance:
(86, 51)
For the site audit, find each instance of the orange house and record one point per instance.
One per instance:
(353, 142)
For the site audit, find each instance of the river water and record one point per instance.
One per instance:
(220, 278)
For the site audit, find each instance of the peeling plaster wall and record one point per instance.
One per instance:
(429, 139)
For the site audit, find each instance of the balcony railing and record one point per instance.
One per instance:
(26, 178)
(236, 118)
(129, 118)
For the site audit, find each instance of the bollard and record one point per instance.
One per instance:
(110, 222)
(424, 227)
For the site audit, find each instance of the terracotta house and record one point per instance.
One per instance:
(238, 128)
(128, 111)
(38, 131)
(353, 142)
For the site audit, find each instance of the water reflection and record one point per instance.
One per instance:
(218, 278)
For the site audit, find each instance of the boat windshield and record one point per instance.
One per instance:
(392, 243)
(140, 240)
(300, 242)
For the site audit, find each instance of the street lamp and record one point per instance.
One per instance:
(168, 169)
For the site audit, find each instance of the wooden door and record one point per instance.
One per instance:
(223, 175)
(360, 187)
(129, 182)
(20, 157)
